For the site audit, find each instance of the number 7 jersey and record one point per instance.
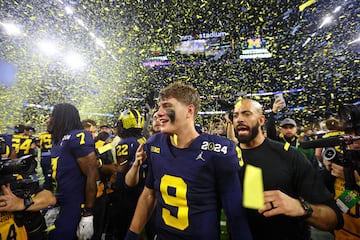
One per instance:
(191, 184)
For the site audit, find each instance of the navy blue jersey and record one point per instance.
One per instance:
(68, 180)
(45, 145)
(23, 145)
(7, 139)
(124, 198)
(192, 183)
(45, 142)
(126, 150)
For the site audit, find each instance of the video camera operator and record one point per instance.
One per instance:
(348, 199)
(10, 204)
(21, 199)
(344, 169)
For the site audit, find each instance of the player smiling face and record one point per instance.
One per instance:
(173, 115)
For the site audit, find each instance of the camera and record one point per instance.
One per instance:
(336, 149)
(24, 166)
(25, 187)
(350, 159)
(350, 116)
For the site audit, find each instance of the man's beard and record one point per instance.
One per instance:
(254, 131)
(289, 139)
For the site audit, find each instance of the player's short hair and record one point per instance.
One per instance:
(183, 93)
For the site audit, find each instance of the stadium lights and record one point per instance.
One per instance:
(355, 41)
(326, 21)
(68, 10)
(307, 41)
(100, 43)
(74, 60)
(92, 34)
(80, 22)
(47, 47)
(11, 29)
(337, 9)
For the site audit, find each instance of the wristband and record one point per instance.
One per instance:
(28, 202)
(130, 235)
(86, 211)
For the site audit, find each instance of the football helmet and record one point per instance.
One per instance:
(131, 118)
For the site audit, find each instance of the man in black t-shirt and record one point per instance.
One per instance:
(294, 194)
(288, 131)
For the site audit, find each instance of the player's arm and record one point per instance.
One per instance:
(122, 157)
(144, 209)
(132, 176)
(9, 202)
(230, 192)
(108, 168)
(232, 204)
(89, 167)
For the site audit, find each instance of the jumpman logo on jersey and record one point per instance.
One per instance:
(200, 157)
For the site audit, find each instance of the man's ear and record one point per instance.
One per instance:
(191, 110)
(261, 120)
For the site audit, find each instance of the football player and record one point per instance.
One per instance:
(129, 129)
(190, 175)
(74, 174)
(23, 144)
(45, 144)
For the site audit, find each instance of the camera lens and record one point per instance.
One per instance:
(329, 154)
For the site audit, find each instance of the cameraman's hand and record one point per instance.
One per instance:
(357, 176)
(85, 229)
(337, 170)
(9, 202)
(327, 164)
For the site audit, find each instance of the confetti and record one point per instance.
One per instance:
(127, 53)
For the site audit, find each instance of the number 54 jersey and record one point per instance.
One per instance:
(191, 184)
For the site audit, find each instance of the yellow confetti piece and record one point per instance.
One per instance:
(306, 4)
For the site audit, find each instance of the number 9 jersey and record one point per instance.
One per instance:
(191, 184)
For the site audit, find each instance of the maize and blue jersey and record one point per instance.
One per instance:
(191, 185)
(7, 139)
(9, 229)
(126, 149)
(45, 145)
(124, 198)
(68, 182)
(23, 145)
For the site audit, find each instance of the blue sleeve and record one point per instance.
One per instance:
(149, 182)
(81, 143)
(229, 187)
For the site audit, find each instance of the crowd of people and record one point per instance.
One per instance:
(166, 177)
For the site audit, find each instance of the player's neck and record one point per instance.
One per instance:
(184, 138)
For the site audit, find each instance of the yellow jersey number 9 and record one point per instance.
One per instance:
(181, 221)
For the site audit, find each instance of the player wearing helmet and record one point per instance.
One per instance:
(129, 129)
